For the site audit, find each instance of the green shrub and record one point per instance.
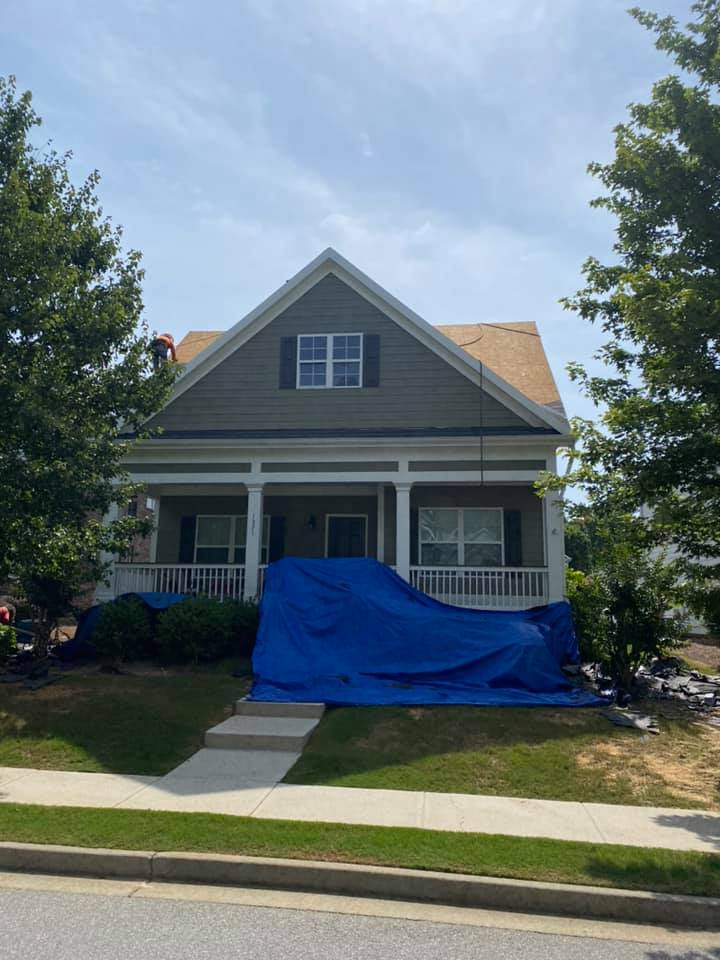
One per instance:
(245, 619)
(8, 641)
(588, 601)
(124, 631)
(622, 611)
(196, 629)
(202, 629)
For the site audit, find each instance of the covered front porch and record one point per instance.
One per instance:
(481, 545)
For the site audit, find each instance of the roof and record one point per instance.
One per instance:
(194, 343)
(329, 261)
(514, 351)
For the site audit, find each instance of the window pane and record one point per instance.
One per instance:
(312, 374)
(438, 526)
(240, 531)
(483, 526)
(346, 374)
(239, 554)
(213, 531)
(483, 555)
(313, 348)
(346, 348)
(439, 555)
(212, 554)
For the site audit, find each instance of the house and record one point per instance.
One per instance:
(333, 421)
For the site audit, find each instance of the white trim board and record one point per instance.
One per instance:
(330, 261)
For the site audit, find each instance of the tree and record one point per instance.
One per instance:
(74, 362)
(658, 441)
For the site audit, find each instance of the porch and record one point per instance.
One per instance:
(470, 545)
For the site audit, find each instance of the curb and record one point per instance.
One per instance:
(355, 880)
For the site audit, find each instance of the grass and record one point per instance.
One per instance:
(541, 753)
(558, 861)
(145, 722)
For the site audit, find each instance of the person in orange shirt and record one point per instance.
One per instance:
(160, 347)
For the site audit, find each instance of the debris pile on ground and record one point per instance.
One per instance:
(671, 679)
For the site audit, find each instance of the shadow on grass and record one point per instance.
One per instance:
(545, 753)
(137, 723)
(697, 875)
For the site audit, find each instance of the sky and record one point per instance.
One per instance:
(440, 145)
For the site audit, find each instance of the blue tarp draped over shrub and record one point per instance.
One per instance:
(354, 632)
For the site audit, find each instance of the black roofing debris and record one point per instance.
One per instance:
(663, 679)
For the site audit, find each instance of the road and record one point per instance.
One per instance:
(53, 924)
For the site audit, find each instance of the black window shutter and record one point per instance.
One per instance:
(277, 539)
(371, 360)
(288, 363)
(414, 528)
(187, 540)
(513, 538)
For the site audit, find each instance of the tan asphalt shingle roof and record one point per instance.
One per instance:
(513, 351)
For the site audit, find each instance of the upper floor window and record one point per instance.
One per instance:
(330, 360)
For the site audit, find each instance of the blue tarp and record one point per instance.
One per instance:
(353, 632)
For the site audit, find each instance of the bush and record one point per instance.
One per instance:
(8, 641)
(124, 631)
(706, 604)
(245, 620)
(201, 629)
(621, 611)
(588, 600)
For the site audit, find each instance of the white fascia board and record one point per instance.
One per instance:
(330, 261)
(239, 482)
(187, 452)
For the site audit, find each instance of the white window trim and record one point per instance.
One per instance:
(329, 339)
(330, 516)
(460, 542)
(232, 545)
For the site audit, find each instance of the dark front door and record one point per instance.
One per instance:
(346, 536)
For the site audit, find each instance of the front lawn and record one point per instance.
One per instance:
(144, 722)
(551, 754)
(523, 858)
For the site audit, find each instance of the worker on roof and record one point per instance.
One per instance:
(160, 347)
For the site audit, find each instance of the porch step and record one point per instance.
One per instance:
(261, 733)
(262, 708)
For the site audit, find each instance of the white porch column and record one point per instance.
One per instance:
(554, 546)
(106, 591)
(253, 541)
(402, 529)
(380, 554)
(154, 534)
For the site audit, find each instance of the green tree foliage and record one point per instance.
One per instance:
(622, 598)
(74, 353)
(658, 440)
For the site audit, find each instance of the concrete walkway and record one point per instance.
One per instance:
(246, 783)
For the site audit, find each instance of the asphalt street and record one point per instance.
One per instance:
(48, 925)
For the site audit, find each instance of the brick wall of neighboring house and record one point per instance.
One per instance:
(139, 551)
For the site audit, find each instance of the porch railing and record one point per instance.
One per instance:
(490, 588)
(508, 588)
(219, 580)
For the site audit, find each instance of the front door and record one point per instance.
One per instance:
(346, 536)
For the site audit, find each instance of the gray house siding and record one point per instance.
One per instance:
(305, 540)
(301, 539)
(417, 389)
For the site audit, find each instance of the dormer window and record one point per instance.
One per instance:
(329, 360)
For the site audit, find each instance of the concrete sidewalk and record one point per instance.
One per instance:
(246, 784)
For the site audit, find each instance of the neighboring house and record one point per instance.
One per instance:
(332, 421)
